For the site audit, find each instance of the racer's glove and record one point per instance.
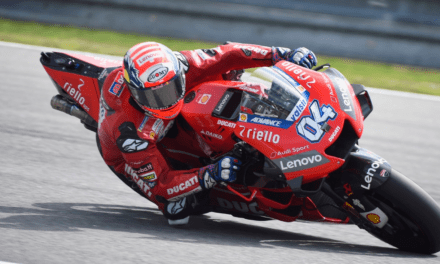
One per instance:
(301, 56)
(225, 170)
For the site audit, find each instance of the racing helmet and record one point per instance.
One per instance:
(155, 79)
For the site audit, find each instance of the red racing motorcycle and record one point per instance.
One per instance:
(296, 131)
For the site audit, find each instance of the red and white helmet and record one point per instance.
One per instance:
(155, 79)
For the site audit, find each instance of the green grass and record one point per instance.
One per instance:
(368, 73)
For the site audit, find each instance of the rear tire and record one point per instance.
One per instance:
(414, 216)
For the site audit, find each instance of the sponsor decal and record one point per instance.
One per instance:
(384, 173)
(149, 176)
(289, 151)
(243, 117)
(348, 190)
(374, 218)
(294, 150)
(144, 169)
(176, 207)
(211, 134)
(165, 130)
(247, 49)
(75, 93)
(183, 186)
(157, 74)
(240, 206)
(222, 103)
(377, 217)
(103, 75)
(298, 109)
(145, 188)
(328, 85)
(204, 99)
(144, 121)
(226, 123)
(152, 184)
(299, 72)
(261, 135)
(157, 126)
(301, 161)
(300, 88)
(134, 145)
(344, 96)
(147, 57)
(152, 134)
(117, 86)
(370, 172)
(333, 135)
(129, 141)
(208, 181)
(309, 127)
(268, 121)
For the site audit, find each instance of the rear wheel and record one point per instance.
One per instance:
(414, 217)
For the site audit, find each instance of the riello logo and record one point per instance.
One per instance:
(261, 135)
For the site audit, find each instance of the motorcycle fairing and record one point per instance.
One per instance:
(210, 109)
(79, 77)
(279, 204)
(364, 171)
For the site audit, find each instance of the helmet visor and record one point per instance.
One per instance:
(161, 96)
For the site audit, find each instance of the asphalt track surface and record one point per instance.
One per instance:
(60, 203)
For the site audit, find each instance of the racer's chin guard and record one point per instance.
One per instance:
(155, 79)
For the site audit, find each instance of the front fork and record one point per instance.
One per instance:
(362, 172)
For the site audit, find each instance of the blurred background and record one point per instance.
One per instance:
(354, 33)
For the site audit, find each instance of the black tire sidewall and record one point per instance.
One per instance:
(417, 204)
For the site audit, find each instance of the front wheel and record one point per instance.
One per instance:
(414, 216)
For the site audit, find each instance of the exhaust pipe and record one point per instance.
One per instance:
(59, 103)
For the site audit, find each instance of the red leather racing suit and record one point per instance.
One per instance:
(130, 141)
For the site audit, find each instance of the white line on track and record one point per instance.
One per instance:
(370, 89)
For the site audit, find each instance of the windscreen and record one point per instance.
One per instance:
(284, 98)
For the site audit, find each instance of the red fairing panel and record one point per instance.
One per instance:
(298, 150)
(84, 90)
(324, 103)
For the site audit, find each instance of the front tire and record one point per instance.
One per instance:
(414, 216)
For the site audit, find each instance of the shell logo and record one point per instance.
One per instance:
(374, 218)
(243, 117)
(152, 134)
(204, 99)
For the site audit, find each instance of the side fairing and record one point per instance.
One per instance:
(79, 76)
(314, 144)
(211, 110)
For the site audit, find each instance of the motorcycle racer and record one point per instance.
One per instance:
(141, 101)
